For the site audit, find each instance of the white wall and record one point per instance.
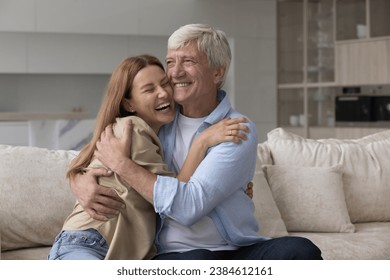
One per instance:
(50, 50)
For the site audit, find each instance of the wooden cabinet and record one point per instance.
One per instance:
(305, 42)
(325, 46)
(305, 63)
(363, 43)
(290, 42)
(378, 14)
(365, 62)
(362, 19)
(351, 19)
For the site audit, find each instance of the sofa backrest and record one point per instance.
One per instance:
(35, 197)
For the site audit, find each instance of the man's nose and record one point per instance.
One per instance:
(176, 71)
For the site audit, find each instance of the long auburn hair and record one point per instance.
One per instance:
(117, 91)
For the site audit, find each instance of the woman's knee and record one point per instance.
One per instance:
(79, 245)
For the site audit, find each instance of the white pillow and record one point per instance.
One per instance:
(365, 161)
(310, 198)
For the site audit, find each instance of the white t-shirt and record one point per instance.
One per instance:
(203, 234)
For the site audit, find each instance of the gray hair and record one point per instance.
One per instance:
(211, 41)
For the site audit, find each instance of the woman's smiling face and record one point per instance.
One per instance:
(152, 97)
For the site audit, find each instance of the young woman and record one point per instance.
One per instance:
(138, 90)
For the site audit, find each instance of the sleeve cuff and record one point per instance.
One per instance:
(165, 189)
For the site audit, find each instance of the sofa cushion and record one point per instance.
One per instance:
(266, 210)
(36, 253)
(370, 241)
(310, 199)
(35, 197)
(365, 161)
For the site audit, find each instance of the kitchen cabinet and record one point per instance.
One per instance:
(363, 62)
(305, 42)
(47, 53)
(362, 19)
(378, 14)
(306, 74)
(351, 19)
(363, 43)
(75, 53)
(14, 133)
(13, 53)
(324, 47)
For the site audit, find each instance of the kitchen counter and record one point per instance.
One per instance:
(25, 116)
(67, 130)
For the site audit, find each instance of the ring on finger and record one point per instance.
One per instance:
(231, 132)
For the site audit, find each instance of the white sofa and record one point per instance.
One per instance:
(335, 192)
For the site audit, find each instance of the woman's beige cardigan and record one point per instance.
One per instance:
(130, 235)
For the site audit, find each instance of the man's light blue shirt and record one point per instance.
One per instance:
(217, 187)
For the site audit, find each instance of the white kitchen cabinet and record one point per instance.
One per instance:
(48, 53)
(13, 53)
(25, 19)
(14, 133)
(125, 17)
(74, 53)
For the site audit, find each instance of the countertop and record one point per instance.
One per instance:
(25, 116)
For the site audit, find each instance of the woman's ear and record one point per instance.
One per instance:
(127, 105)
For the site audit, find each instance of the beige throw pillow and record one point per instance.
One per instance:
(310, 198)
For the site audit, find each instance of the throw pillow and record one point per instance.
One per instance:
(310, 198)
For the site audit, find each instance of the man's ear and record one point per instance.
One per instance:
(219, 73)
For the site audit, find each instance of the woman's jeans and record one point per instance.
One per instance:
(79, 245)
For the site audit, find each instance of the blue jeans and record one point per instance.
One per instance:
(79, 245)
(282, 248)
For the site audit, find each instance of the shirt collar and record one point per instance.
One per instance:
(222, 110)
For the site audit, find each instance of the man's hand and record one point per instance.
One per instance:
(100, 202)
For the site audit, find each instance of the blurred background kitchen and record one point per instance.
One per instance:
(56, 57)
(318, 68)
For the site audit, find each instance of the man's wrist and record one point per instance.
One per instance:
(122, 166)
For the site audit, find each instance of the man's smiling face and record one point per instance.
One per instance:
(194, 81)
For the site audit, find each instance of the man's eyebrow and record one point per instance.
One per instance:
(181, 57)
